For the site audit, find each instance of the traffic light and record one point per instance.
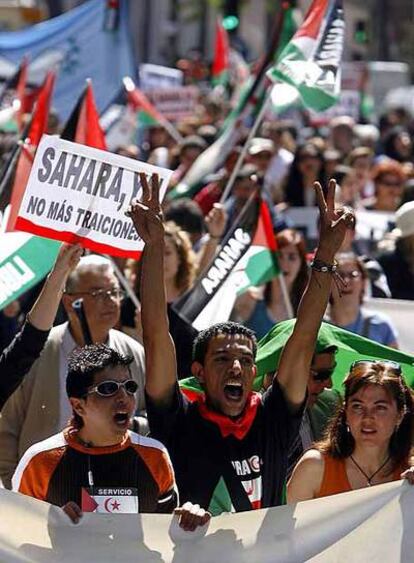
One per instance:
(231, 15)
(361, 32)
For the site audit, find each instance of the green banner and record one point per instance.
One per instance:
(25, 260)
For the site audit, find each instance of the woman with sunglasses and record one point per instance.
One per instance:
(368, 441)
(346, 309)
(96, 464)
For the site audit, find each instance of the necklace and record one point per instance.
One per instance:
(369, 478)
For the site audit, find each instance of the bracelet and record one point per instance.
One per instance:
(324, 267)
(214, 238)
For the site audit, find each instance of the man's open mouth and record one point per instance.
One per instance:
(233, 391)
(121, 418)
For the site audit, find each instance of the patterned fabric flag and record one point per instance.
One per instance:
(83, 124)
(83, 44)
(247, 257)
(36, 129)
(349, 346)
(311, 60)
(220, 68)
(248, 104)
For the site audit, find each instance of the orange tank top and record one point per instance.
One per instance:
(335, 479)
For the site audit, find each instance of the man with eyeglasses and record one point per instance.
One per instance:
(95, 464)
(39, 408)
(321, 404)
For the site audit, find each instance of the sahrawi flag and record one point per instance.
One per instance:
(25, 259)
(247, 257)
(220, 67)
(310, 62)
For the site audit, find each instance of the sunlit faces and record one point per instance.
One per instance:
(228, 372)
(372, 415)
(171, 259)
(355, 283)
(243, 189)
(309, 163)
(388, 191)
(105, 419)
(102, 312)
(290, 262)
(320, 376)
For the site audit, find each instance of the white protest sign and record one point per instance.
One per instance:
(373, 224)
(157, 77)
(80, 194)
(175, 103)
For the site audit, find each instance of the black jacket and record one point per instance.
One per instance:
(17, 359)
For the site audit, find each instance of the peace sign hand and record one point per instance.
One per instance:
(146, 214)
(333, 222)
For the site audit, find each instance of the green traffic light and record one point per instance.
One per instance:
(230, 22)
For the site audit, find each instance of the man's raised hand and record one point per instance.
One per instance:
(146, 214)
(333, 222)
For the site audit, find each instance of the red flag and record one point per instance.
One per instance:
(37, 127)
(140, 103)
(89, 131)
(220, 68)
(83, 124)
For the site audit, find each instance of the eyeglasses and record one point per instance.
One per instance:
(390, 183)
(110, 387)
(321, 374)
(395, 366)
(100, 295)
(354, 275)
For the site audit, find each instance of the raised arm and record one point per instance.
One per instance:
(161, 370)
(17, 359)
(43, 312)
(295, 361)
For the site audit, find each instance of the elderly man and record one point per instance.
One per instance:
(39, 407)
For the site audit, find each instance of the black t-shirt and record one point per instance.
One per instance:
(227, 473)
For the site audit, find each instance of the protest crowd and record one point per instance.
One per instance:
(204, 372)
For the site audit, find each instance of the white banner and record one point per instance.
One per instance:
(80, 194)
(401, 314)
(369, 525)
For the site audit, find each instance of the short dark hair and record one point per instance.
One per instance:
(201, 342)
(85, 362)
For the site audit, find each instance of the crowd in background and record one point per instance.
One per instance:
(373, 165)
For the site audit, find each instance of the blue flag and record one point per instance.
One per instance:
(82, 45)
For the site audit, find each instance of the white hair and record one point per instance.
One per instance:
(91, 262)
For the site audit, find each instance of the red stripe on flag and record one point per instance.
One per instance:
(221, 51)
(88, 130)
(139, 101)
(38, 126)
(66, 236)
(313, 20)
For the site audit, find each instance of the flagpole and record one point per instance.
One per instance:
(229, 185)
(124, 282)
(129, 86)
(286, 298)
(242, 155)
(274, 45)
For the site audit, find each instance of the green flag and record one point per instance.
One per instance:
(311, 61)
(350, 347)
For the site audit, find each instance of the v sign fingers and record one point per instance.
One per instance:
(333, 222)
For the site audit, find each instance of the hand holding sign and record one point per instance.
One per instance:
(80, 194)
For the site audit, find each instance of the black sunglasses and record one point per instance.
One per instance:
(110, 387)
(395, 366)
(321, 374)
